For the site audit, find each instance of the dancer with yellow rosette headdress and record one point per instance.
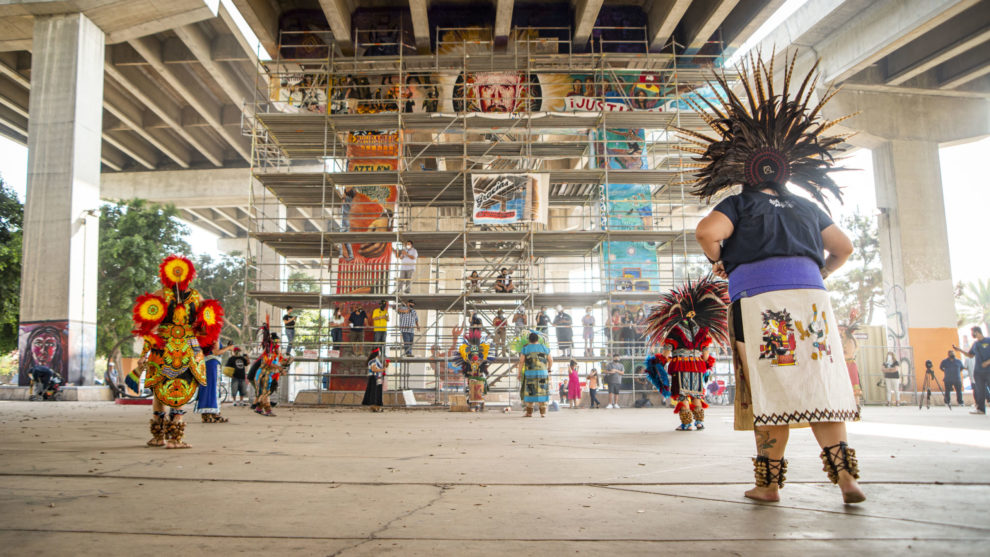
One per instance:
(174, 322)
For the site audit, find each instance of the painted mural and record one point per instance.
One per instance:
(504, 92)
(510, 198)
(43, 343)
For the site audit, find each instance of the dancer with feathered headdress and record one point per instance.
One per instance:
(771, 245)
(686, 322)
(175, 323)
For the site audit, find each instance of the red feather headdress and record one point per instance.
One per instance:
(209, 321)
(176, 270)
(705, 303)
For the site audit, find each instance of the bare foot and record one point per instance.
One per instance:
(851, 493)
(770, 494)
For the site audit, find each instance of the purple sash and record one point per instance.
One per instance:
(774, 273)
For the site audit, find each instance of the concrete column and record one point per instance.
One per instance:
(914, 247)
(58, 281)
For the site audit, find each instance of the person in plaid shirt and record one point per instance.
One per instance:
(408, 324)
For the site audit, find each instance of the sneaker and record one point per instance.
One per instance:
(977, 412)
(617, 406)
(608, 407)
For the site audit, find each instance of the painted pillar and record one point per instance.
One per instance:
(914, 248)
(58, 280)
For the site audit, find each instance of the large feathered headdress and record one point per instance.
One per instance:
(704, 303)
(771, 137)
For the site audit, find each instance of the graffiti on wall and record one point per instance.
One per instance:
(43, 343)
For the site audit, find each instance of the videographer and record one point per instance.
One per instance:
(952, 368)
(980, 352)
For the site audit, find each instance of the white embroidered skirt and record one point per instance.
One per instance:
(797, 373)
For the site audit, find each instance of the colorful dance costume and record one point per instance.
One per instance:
(686, 323)
(474, 351)
(273, 363)
(534, 372)
(208, 396)
(174, 322)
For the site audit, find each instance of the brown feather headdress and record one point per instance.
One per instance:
(769, 138)
(704, 302)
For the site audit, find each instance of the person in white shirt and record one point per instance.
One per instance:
(407, 264)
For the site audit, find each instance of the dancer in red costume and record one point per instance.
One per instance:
(686, 323)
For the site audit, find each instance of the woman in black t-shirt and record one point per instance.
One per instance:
(771, 245)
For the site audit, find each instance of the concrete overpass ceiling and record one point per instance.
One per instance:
(178, 76)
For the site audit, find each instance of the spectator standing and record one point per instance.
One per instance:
(379, 319)
(408, 325)
(892, 379)
(519, 322)
(373, 391)
(613, 379)
(336, 330)
(952, 368)
(503, 283)
(628, 332)
(407, 264)
(573, 384)
(565, 335)
(588, 331)
(593, 389)
(499, 324)
(358, 321)
(980, 352)
(543, 321)
(238, 379)
(563, 391)
(615, 329)
(289, 329)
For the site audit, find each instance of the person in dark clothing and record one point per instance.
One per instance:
(565, 334)
(980, 352)
(952, 368)
(357, 320)
(289, 328)
(542, 321)
(238, 380)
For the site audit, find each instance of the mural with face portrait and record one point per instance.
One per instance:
(43, 343)
(497, 92)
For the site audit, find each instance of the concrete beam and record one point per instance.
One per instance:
(231, 214)
(226, 48)
(224, 51)
(220, 187)
(123, 55)
(503, 21)
(201, 47)
(879, 30)
(421, 24)
(338, 13)
(663, 19)
(962, 33)
(14, 97)
(964, 68)
(904, 117)
(262, 17)
(204, 218)
(585, 16)
(146, 92)
(175, 51)
(14, 120)
(176, 77)
(112, 157)
(17, 77)
(13, 135)
(133, 117)
(745, 19)
(702, 20)
(129, 143)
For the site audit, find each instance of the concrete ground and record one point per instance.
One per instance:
(75, 478)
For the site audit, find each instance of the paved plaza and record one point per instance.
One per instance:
(75, 478)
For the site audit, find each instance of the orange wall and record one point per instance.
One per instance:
(931, 344)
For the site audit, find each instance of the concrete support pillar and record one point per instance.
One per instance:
(58, 281)
(914, 247)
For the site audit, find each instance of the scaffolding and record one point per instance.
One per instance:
(428, 128)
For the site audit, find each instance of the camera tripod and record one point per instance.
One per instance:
(926, 390)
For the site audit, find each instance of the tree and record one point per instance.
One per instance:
(11, 224)
(973, 301)
(134, 238)
(308, 326)
(224, 279)
(860, 287)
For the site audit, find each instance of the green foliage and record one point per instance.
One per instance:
(223, 279)
(860, 286)
(11, 223)
(973, 302)
(308, 327)
(299, 281)
(134, 238)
